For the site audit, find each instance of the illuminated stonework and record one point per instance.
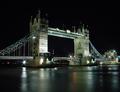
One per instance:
(39, 42)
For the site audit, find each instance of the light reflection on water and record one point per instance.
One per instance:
(68, 79)
(24, 73)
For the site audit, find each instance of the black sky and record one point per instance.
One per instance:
(103, 23)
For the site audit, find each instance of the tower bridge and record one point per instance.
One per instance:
(34, 46)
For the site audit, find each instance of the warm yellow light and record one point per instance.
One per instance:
(101, 63)
(47, 61)
(70, 56)
(24, 62)
(33, 37)
(68, 31)
(88, 61)
(41, 60)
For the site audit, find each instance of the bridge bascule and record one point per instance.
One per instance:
(34, 46)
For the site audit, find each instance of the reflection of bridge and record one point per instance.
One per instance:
(34, 46)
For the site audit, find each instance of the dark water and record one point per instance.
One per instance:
(69, 79)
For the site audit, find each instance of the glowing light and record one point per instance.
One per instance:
(43, 74)
(86, 53)
(88, 61)
(68, 31)
(89, 55)
(41, 60)
(114, 51)
(24, 73)
(109, 68)
(109, 56)
(33, 37)
(24, 62)
(57, 28)
(48, 61)
(55, 68)
(92, 61)
(117, 59)
(70, 56)
(24, 69)
(101, 63)
(52, 60)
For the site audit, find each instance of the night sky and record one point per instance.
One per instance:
(103, 22)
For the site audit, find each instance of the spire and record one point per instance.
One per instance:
(74, 29)
(80, 25)
(30, 24)
(46, 18)
(35, 20)
(83, 30)
(31, 19)
(38, 15)
(83, 26)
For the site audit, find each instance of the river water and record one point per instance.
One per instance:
(62, 79)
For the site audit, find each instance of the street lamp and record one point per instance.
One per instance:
(33, 37)
(41, 60)
(24, 62)
(68, 31)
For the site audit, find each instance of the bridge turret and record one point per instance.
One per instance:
(30, 24)
(38, 15)
(81, 46)
(74, 30)
(83, 30)
(79, 30)
(40, 41)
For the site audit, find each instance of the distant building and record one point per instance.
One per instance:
(111, 55)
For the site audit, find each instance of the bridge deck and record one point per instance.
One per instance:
(15, 57)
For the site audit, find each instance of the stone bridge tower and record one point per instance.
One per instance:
(81, 47)
(39, 40)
